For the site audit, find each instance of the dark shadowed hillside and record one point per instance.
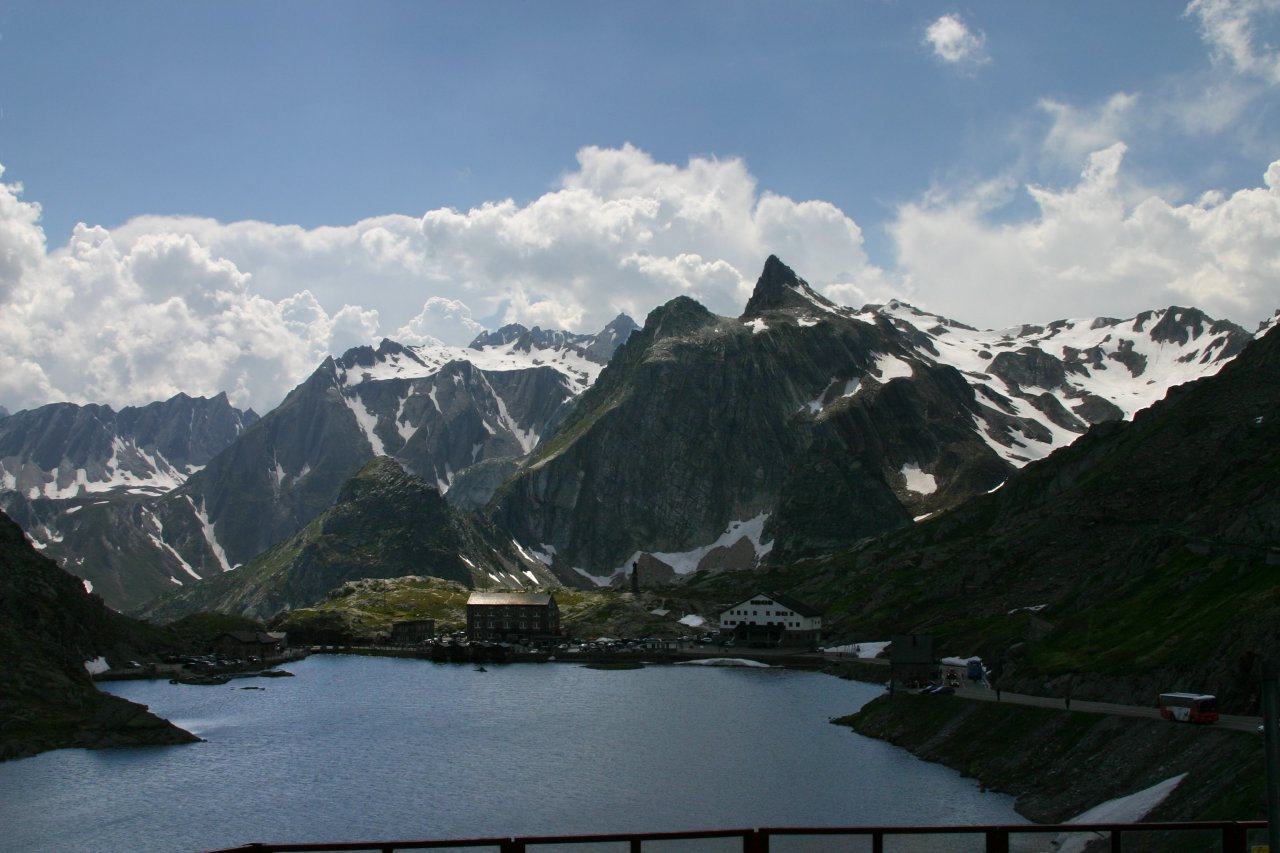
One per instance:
(1141, 558)
(49, 627)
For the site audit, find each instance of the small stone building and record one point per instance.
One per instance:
(512, 616)
(773, 619)
(412, 632)
(251, 644)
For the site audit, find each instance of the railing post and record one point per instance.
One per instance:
(512, 845)
(997, 841)
(877, 842)
(1235, 839)
(755, 841)
(1115, 841)
(635, 845)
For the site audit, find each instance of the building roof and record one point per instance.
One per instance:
(539, 598)
(793, 604)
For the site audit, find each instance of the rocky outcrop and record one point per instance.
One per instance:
(49, 627)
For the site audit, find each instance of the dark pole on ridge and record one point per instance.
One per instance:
(1271, 749)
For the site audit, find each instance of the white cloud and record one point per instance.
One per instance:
(163, 304)
(166, 304)
(1101, 247)
(953, 42)
(1231, 28)
(1076, 132)
(438, 316)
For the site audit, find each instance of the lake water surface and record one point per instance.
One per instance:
(359, 748)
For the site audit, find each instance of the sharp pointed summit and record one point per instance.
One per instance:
(779, 288)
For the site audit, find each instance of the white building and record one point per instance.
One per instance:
(768, 618)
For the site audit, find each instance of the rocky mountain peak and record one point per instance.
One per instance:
(611, 337)
(779, 288)
(681, 316)
(501, 337)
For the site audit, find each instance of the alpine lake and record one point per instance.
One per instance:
(361, 748)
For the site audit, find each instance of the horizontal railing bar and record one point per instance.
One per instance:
(1014, 828)
(507, 842)
(633, 836)
(319, 847)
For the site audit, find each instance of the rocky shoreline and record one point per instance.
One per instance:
(101, 722)
(1057, 763)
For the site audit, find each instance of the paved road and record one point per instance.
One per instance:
(986, 694)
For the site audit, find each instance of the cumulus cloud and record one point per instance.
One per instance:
(951, 41)
(1231, 28)
(1100, 247)
(1077, 132)
(167, 304)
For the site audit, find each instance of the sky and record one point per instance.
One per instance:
(213, 196)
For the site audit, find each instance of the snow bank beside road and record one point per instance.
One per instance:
(1130, 809)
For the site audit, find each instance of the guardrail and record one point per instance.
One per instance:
(1233, 837)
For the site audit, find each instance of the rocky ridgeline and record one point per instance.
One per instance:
(1138, 560)
(796, 429)
(384, 523)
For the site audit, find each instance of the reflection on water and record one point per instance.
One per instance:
(359, 748)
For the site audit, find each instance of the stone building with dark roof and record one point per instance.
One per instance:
(412, 632)
(512, 616)
(773, 619)
(251, 644)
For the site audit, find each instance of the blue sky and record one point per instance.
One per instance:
(263, 183)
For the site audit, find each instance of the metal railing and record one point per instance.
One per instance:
(1233, 837)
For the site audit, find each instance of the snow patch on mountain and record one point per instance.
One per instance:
(1128, 809)
(889, 367)
(367, 421)
(597, 580)
(1060, 378)
(918, 481)
(425, 361)
(686, 562)
(836, 390)
(1100, 356)
(443, 483)
(528, 438)
(210, 536)
(97, 666)
(544, 553)
(157, 539)
(403, 426)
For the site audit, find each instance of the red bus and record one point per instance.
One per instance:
(1189, 707)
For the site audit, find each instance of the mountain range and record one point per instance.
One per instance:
(1140, 559)
(796, 429)
(438, 410)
